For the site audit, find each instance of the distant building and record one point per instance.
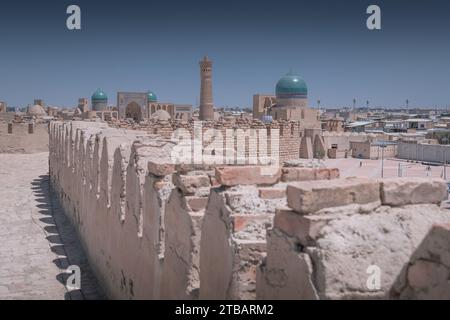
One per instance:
(333, 125)
(359, 126)
(373, 149)
(417, 124)
(395, 125)
(3, 106)
(290, 103)
(36, 110)
(176, 111)
(261, 104)
(39, 102)
(206, 95)
(99, 101)
(83, 105)
(144, 105)
(132, 105)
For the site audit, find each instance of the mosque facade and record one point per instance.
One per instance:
(132, 105)
(145, 105)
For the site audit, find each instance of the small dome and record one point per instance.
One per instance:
(151, 97)
(99, 95)
(292, 85)
(36, 110)
(161, 115)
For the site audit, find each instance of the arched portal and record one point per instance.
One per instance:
(133, 110)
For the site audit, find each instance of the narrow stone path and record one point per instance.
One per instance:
(37, 241)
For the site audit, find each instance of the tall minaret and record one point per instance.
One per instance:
(206, 98)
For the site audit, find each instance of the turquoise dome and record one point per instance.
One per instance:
(99, 95)
(292, 85)
(151, 97)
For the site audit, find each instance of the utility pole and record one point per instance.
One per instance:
(445, 170)
(382, 145)
(445, 166)
(445, 141)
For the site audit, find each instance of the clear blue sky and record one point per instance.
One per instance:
(154, 45)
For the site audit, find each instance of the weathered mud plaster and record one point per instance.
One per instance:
(426, 275)
(154, 230)
(320, 251)
(233, 233)
(183, 222)
(116, 203)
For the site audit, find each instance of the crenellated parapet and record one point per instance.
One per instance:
(157, 229)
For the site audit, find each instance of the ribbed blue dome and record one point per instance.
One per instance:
(292, 85)
(99, 95)
(152, 97)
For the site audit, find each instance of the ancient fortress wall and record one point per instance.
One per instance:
(285, 133)
(23, 137)
(155, 230)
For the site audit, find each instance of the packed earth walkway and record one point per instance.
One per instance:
(37, 241)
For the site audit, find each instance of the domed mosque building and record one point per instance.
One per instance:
(99, 101)
(36, 110)
(291, 102)
(151, 97)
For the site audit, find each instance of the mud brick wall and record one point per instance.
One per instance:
(157, 230)
(325, 243)
(287, 138)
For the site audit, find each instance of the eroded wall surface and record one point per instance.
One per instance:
(157, 230)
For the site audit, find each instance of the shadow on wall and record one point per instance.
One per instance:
(63, 241)
(426, 275)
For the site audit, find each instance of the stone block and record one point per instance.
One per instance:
(247, 175)
(157, 154)
(343, 248)
(311, 196)
(291, 174)
(303, 228)
(334, 173)
(256, 224)
(272, 193)
(297, 174)
(160, 169)
(189, 184)
(322, 174)
(404, 191)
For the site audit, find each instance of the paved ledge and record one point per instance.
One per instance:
(37, 241)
